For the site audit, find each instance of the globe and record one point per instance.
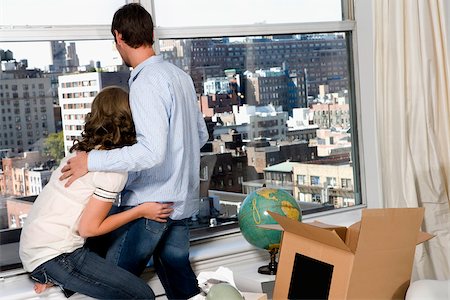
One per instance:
(253, 212)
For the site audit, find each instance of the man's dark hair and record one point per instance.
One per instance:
(135, 24)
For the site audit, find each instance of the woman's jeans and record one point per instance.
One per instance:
(132, 245)
(85, 272)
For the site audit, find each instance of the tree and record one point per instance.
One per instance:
(54, 146)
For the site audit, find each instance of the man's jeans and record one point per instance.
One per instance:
(132, 245)
(85, 272)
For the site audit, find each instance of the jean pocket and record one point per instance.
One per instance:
(155, 227)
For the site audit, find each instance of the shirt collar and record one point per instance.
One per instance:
(135, 72)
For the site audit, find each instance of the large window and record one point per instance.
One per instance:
(249, 12)
(60, 12)
(275, 82)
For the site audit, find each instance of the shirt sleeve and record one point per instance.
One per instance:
(108, 185)
(150, 108)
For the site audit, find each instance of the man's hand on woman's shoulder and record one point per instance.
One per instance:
(76, 167)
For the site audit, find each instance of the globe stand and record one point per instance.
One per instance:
(271, 268)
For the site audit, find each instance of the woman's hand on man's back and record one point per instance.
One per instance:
(156, 211)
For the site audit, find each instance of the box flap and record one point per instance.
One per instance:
(352, 236)
(324, 225)
(340, 230)
(385, 252)
(311, 232)
(389, 227)
(423, 237)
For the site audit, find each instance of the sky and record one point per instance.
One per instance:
(187, 13)
(38, 53)
(55, 12)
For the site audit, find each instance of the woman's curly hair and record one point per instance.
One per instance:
(109, 125)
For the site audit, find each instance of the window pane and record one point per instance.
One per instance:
(58, 12)
(279, 113)
(32, 107)
(238, 12)
(60, 54)
(278, 109)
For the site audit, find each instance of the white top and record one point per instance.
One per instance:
(51, 227)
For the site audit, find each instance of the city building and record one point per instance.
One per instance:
(36, 179)
(274, 86)
(217, 104)
(331, 115)
(326, 184)
(209, 57)
(228, 163)
(76, 93)
(225, 123)
(331, 142)
(229, 172)
(14, 168)
(264, 121)
(216, 85)
(17, 210)
(27, 109)
(301, 125)
(278, 176)
(72, 61)
(263, 153)
(58, 52)
(6, 55)
(301, 118)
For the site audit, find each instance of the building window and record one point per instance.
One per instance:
(331, 181)
(346, 183)
(315, 180)
(301, 179)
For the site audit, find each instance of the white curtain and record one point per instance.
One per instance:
(413, 119)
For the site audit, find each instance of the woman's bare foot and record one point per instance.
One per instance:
(40, 287)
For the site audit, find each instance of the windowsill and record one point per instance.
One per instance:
(11, 265)
(331, 212)
(211, 247)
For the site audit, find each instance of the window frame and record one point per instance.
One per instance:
(102, 32)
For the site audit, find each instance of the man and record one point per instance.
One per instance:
(163, 165)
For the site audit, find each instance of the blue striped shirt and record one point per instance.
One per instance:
(164, 164)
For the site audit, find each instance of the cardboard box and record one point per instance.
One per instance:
(372, 259)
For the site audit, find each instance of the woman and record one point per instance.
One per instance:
(53, 237)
